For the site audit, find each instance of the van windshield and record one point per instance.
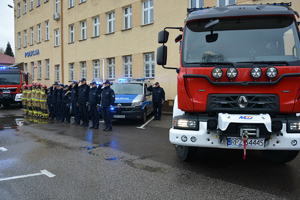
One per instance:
(9, 79)
(244, 39)
(127, 88)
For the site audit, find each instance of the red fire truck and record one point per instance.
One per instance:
(11, 81)
(239, 81)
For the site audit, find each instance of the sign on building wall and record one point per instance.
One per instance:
(32, 53)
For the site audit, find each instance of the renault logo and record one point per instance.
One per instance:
(242, 102)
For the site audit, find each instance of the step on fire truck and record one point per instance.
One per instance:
(239, 81)
(11, 82)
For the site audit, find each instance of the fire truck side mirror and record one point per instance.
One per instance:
(178, 38)
(163, 37)
(161, 55)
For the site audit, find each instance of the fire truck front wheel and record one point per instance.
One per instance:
(280, 156)
(185, 153)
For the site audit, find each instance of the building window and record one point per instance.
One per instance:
(18, 9)
(148, 12)
(47, 75)
(96, 26)
(32, 71)
(56, 37)
(111, 68)
(39, 34)
(25, 39)
(25, 7)
(47, 32)
(110, 22)
(39, 67)
(196, 3)
(38, 3)
(149, 65)
(127, 64)
(83, 30)
(57, 6)
(82, 1)
(31, 4)
(127, 17)
(71, 33)
(71, 3)
(71, 72)
(25, 67)
(96, 69)
(83, 72)
(57, 73)
(31, 36)
(19, 40)
(225, 2)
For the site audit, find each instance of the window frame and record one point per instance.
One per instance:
(71, 33)
(39, 33)
(32, 70)
(19, 40)
(96, 26)
(226, 3)
(83, 30)
(56, 37)
(151, 64)
(199, 3)
(57, 6)
(71, 3)
(19, 9)
(47, 67)
(111, 22)
(39, 70)
(31, 36)
(71, 72)
(47, 30)
(83, 69)
(57, 73)
(25, 42)
(96, 69)
(127, 18)
(24, 7)
(111, 68)
(148, 10)
(127, 66)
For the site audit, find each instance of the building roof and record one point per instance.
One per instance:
(240, 10)
(5, 59)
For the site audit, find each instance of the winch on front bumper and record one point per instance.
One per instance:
(228, 131)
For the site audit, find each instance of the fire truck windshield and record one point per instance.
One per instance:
(243, 39)
(9, 79)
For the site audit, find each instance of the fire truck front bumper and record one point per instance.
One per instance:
(230, 135)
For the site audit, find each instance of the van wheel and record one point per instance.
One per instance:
(280, 156)
(185, 153)
(144, 117)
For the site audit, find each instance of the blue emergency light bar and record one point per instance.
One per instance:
(6, 68)
(281, 4)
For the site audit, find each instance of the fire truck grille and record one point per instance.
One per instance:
(243, 103)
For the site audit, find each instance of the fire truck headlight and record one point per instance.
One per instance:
(272, 72)
(186, 124)
(217, 73)
(256, 72)
(232, 73)
(293, 127)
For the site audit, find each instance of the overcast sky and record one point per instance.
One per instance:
(6, 24)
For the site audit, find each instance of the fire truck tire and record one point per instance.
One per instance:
(185, 153)
(280, 156)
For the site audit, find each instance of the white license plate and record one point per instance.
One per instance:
(251, 142)
(6, 91)
(119, 116)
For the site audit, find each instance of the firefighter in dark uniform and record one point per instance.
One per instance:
(66, 115)
(107, 100)
(74, 104)
(83, 97)
(94, 101)
(158, 98)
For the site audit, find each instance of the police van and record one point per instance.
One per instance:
(132, 99)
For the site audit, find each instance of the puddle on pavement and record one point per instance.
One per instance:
(11, 122)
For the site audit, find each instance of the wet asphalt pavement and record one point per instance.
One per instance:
(129, 163)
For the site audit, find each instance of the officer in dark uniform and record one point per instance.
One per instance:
(158, 98)
(59, 102)
(94, 101)
(54, 100)
(66, 115)
(83, 97)
(50, 102)
(74, 103)
(107, 100)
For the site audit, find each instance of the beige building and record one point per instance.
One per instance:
(65, 40)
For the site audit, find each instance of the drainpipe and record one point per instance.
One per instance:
(62, 40)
